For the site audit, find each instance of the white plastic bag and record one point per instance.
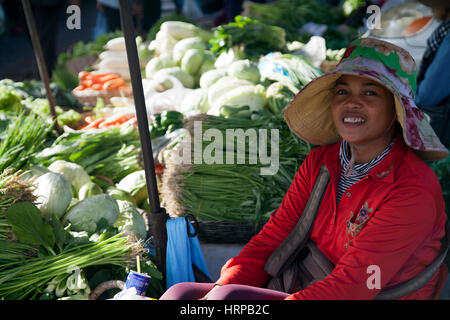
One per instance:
(129, 294)
(169, 99)
(315, 50)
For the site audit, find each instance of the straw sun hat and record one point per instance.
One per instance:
(309, 113)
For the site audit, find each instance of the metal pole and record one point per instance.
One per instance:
(40, 61)
(158, 215)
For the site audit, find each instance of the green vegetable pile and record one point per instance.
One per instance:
(61, 247)
(257, 38)
(233, 192)
(25, 135)
(291, 15)
(111, 153)
(165, 122)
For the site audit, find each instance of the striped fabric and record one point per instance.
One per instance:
(359, 170)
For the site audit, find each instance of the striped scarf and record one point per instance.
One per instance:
(433, 43)
(359, 170)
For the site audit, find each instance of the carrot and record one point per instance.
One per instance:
(116, 120)
(87, 83)
(82, 75)
(124, 87)
(79, 88)
(97, 86)
(110, 76)
(132, 121)
(93, 124)
(113, 84)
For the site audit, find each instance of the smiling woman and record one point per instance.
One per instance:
(379, 221)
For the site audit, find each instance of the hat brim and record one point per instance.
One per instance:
(309, 117)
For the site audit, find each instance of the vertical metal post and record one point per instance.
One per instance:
(158, 215)
(43, 72)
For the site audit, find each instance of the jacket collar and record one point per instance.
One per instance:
(383, 171)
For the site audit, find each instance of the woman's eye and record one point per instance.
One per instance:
(340, 92)
(370, 93)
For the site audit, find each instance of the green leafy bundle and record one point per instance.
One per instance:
(256, 38)
(234, 192)
(63, 258)
(113, 152)
(291, 15)
(24, 137)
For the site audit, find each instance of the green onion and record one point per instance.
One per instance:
(233, 192)
(25, 280)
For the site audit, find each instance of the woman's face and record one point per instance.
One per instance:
(362, 110)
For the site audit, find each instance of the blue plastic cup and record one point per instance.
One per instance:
(139, 281)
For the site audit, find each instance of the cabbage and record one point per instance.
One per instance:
(89, 189)
(223, 86)
(186, 79)
(211, 76)
(208, 62)
(245, 70)
(130, 220)
(93, 213)
(73, 172)
(192, 61)
(120, 195)
(54, 194)
(196, 100)
(252, 96)
(157, 63)
(184, 45)
(136, 185)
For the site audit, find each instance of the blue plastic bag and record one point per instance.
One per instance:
(182, 251)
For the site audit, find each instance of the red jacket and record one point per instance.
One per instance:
(394, 219)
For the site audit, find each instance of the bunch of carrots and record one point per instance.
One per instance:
(101, 81)
(116, 120)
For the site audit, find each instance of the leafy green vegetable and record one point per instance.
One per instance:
(54, 194)
(93, 213)
(41, 107)
(279, 96)
(130, 220)
(291, 15)
(136, 185)
(28, 225)
(24, 137)
(28, 280)
(245, 70)
(73, 172)
(34, 89)
(113, 153)
(204, 189)
(9, 100)
(256, 37)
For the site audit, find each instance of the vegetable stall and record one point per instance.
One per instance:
(75, 208)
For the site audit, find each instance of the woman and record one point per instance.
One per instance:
(433, 91)
(383, 206)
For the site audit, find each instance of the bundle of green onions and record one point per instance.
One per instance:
(24, 137)
(232, 192)
(113, 152)
(27, 280)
